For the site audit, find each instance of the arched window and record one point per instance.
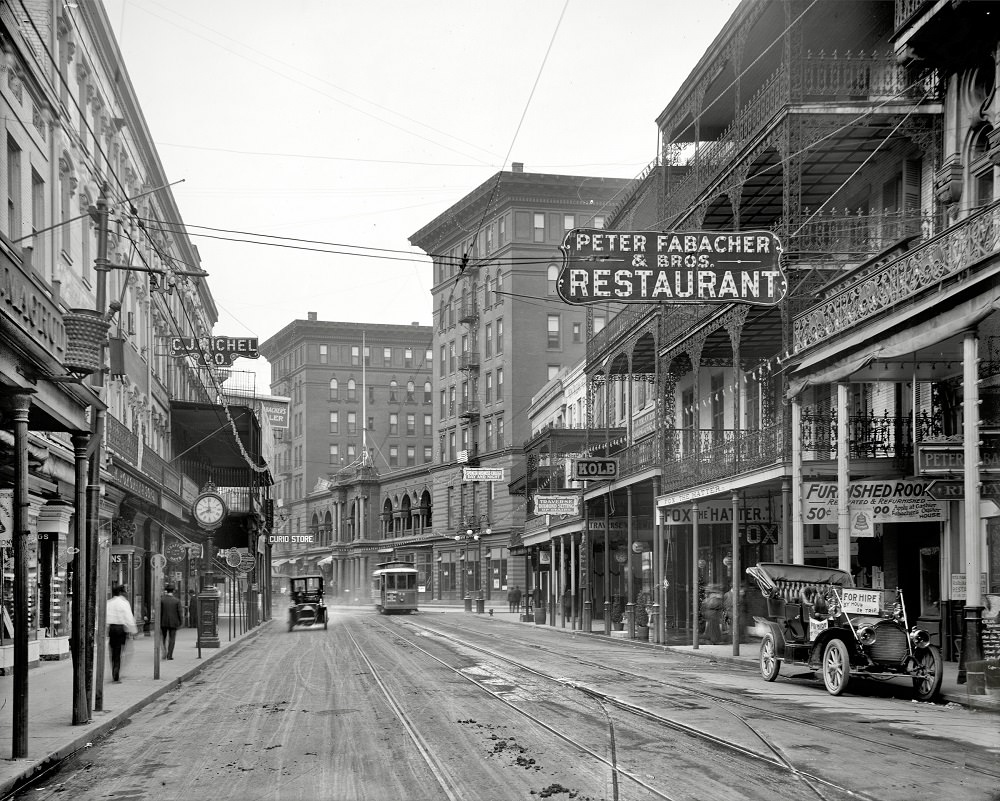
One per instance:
(393, 387)
(410, 392)
(334, 391)
(981, 168)
(352, 390)
(499, 287)
(553, 276)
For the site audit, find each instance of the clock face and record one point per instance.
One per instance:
(209, 510)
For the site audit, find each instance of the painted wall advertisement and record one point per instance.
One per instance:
(871, 502)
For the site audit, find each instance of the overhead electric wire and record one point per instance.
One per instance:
(169, 227)
(256, 62)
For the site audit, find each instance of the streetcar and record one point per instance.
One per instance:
(394, 587)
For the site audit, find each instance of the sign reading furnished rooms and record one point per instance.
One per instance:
(686, 267)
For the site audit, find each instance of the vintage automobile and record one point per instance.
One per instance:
(307, 607)
(816, 617)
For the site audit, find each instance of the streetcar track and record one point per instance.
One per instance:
(436, 769)
(610, 763)
(779, 762)
(723, 701)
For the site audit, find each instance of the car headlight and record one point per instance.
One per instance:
(919, 636)
(833, 606)
(866, 635)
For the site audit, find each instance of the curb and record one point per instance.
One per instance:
(34, 767)
(982, 705)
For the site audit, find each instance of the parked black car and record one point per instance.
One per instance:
(816, 617)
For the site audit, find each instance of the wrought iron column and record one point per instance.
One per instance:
(585, 559)
(21, 404)
(735, 583)
(78, 639)
(630, 585)
(972, 629)
(694, 574)
(797, 530)
(843, 481)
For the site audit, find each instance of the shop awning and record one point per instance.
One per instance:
(324, 561)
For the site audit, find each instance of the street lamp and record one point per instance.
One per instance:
(474, 531)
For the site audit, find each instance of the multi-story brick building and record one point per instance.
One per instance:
(360, 411)
(500, 333)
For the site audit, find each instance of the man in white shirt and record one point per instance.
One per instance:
(121, 623)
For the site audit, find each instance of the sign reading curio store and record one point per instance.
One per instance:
(671, 267)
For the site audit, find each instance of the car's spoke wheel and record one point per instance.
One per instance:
(836, 667)
(770, 665)
(928, 662)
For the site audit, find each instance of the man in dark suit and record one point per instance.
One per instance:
(170, 619)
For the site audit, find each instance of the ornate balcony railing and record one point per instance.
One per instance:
(695, 456)
(616, 328)
(862, 77)
(869, 436)
(121, 441)
(161, 472)
(639, 456)
(854, 236)
(953, 251)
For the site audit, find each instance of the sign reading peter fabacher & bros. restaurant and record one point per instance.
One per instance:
(671, 267)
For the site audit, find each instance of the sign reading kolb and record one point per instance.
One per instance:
(215, 351)
(678, 267)
(585, 469)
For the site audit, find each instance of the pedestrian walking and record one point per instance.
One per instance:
(121, 623)
(711, 610)
(170, 619)
(192, 605)
(517, 598)
(510, 600)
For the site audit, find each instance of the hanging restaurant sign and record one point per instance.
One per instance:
(671, 267)
(215, 351)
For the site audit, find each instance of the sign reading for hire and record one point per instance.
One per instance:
(683, 267)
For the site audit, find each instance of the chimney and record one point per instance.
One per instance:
(312, 317)
(517, 166)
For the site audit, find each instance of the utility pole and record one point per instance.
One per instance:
(97, 422)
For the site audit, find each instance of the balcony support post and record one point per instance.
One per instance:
(694, 575)
(843, 480)
(972, 633)
(797, 528)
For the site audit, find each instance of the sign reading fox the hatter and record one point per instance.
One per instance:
(671, 267)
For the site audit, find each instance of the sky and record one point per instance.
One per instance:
(348, 125)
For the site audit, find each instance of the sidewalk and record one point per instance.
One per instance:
(51, 734)
(951, 690)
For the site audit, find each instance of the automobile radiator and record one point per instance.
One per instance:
(890, 644)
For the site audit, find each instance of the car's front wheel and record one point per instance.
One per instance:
(770, 665)
(836, 667)
(928, 673)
